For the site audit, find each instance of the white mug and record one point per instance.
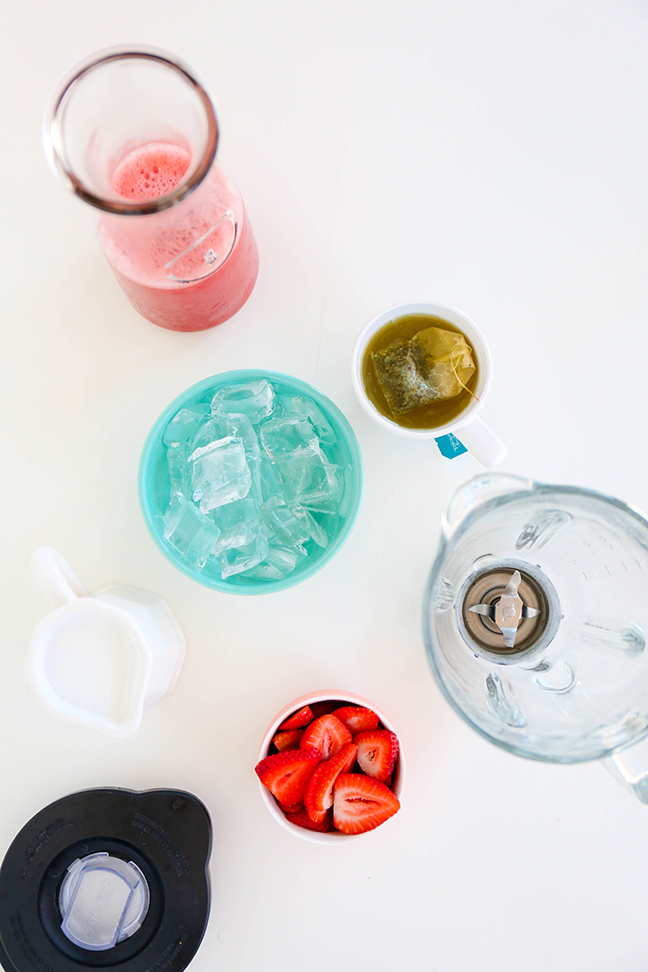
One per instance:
(468, 426)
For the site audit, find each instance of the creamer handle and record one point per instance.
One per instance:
(55, 577)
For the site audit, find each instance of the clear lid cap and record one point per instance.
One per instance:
(103, 900)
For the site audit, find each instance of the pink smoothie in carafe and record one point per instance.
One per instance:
(150, 171)
(191, 266)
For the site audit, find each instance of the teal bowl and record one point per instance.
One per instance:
(154, 487)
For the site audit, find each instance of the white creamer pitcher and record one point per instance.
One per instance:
(101, 658)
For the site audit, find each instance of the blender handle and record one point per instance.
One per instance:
(630, 768)
(55, 577)
(474, 492)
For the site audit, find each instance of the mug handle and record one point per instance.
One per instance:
(55, 577)
(481, 442)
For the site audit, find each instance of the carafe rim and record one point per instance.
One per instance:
(54, 142)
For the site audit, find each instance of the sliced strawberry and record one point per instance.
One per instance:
(292, 807)
(301, 819)
(377, 752)
(286, 774)
(357, 718)
(361, 804)
(327, 734)
(298, 719)
(324, 708)
(319, 792)
(289, 739)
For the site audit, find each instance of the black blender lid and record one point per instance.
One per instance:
(107, 879)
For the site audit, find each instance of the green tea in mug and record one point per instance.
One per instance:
(420, 371)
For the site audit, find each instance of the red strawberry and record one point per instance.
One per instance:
(288, 739)
(327, 734)
(319, 792)
(301, 819)
(286, 774)
(360, 804)
(298, 719)
(292, 807)
(324, 708)
(377, 752)
(357, 718)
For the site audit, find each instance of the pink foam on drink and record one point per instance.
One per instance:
(150, 171)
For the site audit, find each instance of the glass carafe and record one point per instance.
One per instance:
(535, 618)
(133, 133)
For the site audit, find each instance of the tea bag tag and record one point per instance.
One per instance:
(449, 446)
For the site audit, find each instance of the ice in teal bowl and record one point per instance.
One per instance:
(154, 485)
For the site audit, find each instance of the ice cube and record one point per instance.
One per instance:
(239, 523)
(255, 491)
(179, 478)
(293, 525)
(264, 571)
(270, 485)
(252, 398)
(312, 481)
(185, 424)
(212, 429)
(286, 435)
(220, 473)
(192, 534)
(307, 409)
(279, 562)
(284, 558)
(238, 559)
(317, 532)
(283, 523)
(241, 427)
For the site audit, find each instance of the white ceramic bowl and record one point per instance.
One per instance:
(345, 698)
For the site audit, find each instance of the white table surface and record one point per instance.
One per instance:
(491, 156)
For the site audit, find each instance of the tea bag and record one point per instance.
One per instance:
(400, 370)
(449, 360)
(435, 364)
